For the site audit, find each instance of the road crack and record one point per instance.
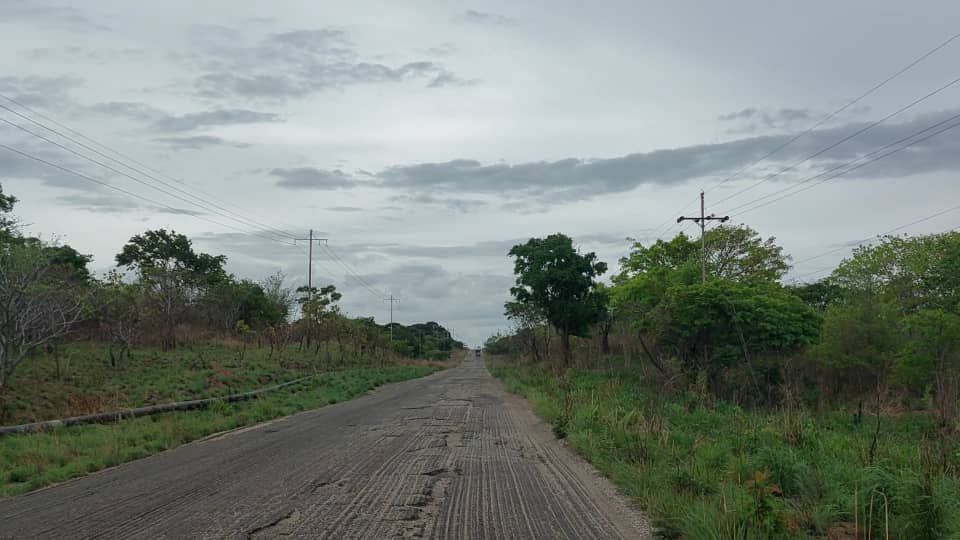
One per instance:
(278, 522)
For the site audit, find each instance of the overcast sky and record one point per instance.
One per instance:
(425, 138)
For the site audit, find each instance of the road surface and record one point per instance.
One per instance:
(451, 455)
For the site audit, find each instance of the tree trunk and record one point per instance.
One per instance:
(565, 347)
(533, 345)
(653, 359)
(605, 339)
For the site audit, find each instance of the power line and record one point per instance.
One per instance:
(702, 222)
(121, 190)
(865, 156)
(861, 241)
(851, 169)
(885, 233)
(833, 114)
(670, 222)
(241, 220)
(353, 273)
(660, 231)
(842, 140)
(224, 212)
(113, 151)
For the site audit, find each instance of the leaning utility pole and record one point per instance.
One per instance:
(310, 240)
(702, 221)
(391, 299)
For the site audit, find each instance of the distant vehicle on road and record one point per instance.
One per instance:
(477, 352)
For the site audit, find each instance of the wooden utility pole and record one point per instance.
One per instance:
(391, 299)
(702, 221)
(310, 240)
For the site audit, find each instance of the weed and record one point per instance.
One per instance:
(34, 460)
(708, 469)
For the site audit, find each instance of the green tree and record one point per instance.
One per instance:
(911, 272)
(37, 308)
(858, 337)
(740, 254)
(558, 280)
(530, 321)
(741, 310)
(118, 307)
(8, 224)
(172, 252)
(818, 295)
(280, 296)
(172, 274)
(930, 357)
(733, 253)
(717, 326)
(315, 304)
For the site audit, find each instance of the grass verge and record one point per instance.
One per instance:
(77, 379)
(28, 462)
(727, 472)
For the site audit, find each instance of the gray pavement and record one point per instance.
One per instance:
(447, 456)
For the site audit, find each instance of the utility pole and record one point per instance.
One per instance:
(391, 299)
(702, 221)
(310, 240)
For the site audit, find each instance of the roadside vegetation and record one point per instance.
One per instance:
(168, 323)
(31, 461)
(741, 407)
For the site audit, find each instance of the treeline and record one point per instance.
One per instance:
(883, 330)
(163, 293)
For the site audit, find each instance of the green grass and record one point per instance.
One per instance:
(87, 384)
(728, 472)
(28, 462)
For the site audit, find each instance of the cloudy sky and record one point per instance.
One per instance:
(425, 138)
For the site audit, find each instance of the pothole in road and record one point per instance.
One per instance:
(275, 526)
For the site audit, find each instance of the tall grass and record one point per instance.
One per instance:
(77, 378)
(726, 472)
(28, 462)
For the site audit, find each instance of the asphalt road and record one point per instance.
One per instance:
(451, 455)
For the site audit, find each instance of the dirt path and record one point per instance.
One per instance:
(447, 456)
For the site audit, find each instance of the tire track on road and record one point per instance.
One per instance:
(450, 456)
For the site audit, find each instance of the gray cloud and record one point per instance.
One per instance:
(752, 119)
(106, 202)
(442, 50)
(296, 64)
(489, 248)
(480, 17)
(312, 178)
(36, 91)
(198, 142)
(111, 203)
(486, 248)
(453, 203)
(222, 117)
(533, 186)
(575, 179)
(447, 78)
(345, 209)
(134, 110)
(63, 16)
(73, 53)
(15, 166)
(164, 122)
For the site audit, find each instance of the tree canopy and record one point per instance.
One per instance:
(169, 251)
(560, 282)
